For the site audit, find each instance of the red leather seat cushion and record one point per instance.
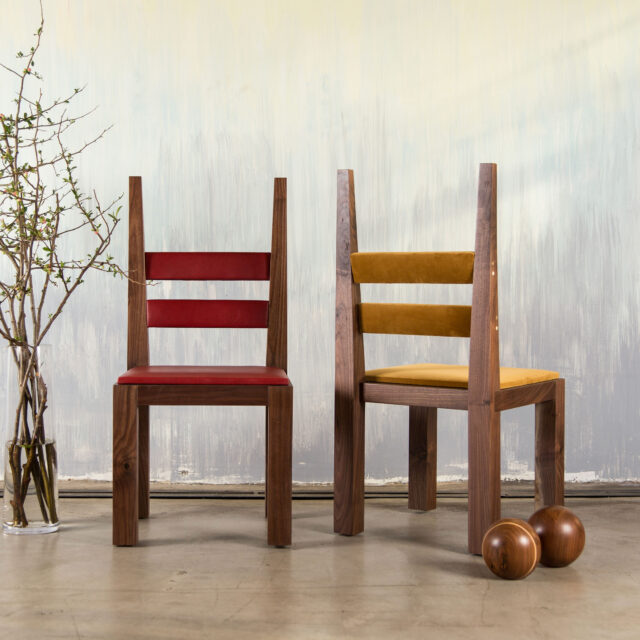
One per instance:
(204, 375)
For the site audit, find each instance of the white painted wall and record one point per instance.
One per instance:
(212, 99)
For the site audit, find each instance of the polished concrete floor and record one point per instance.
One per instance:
(203, 570)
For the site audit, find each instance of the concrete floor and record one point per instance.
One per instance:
(203, 570)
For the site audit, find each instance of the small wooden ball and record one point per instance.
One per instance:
(511, 548)
(561, 535)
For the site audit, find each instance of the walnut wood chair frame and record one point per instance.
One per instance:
(143, 385)
(478, 391)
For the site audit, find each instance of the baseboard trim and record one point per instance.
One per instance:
(510, 489)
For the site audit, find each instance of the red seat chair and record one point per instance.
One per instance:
(482, 388)
(143, 385)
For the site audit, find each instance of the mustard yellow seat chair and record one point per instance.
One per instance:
(482, 387)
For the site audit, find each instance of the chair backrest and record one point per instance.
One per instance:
(197, 265)
(479, 322)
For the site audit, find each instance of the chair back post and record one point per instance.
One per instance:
(484, 365)
(349, 341)
(484, 369)
(277, 327)
(349, 362)
(137, 332)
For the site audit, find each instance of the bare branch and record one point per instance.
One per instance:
(10, 70)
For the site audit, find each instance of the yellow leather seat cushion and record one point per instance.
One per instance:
(453, 375)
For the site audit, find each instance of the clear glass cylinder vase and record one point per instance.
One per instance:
(30, 502)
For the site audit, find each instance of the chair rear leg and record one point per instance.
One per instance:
(484, 472)
(266, 458)
(423, 441)
(143, 462)
(278, 472)
(550, 449)
(125, 465)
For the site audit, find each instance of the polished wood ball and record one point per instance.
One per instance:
(511, 548)
(561, 535)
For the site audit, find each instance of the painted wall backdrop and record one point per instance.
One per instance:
(210, 100)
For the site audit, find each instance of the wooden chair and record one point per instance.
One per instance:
(483, 389)
(143, 385)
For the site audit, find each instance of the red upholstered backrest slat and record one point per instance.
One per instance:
(198, 265)
(238, 314)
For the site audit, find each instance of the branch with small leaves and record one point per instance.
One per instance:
(41, 202)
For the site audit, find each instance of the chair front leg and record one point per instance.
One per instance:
(423, 442)
(125, 465)
(348, 464)
(484, 472)
(278, 471)
(550, 449)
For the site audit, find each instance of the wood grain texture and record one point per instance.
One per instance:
(522, 396)
(484, 472)
(484, 368)
(125, 465)
(549, 474)
(266, 460)
(484, 365)
(137, 336)
(198, 394)
(511, 548)
(423, 442)
(348, 470)
(561, 533)
(277, 327)
(278, 465)
(483, 399)
(419, 396)
(143, 462)
(132, 401)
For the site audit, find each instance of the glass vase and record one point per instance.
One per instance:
(30, 502)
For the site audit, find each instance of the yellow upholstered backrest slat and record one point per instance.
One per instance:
(434, 267)
(416, 319)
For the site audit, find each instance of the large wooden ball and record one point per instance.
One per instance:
(511, 548)
(561, 535)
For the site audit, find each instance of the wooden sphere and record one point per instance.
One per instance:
(511, 548)
(561, 535)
